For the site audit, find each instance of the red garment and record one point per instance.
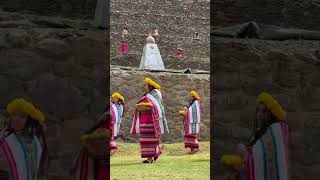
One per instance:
(123, 48)
(179, 53)
(149, 142)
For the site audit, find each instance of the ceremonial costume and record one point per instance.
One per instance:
(24, 151)
(150, 124)
(192, 121)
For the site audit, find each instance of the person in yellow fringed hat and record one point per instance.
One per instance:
(117, 111)
(266, 154)
(192, 119)
(149, 121)
(23, 147)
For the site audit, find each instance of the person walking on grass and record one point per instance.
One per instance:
(191, 120)
(149, 121)
(117, 110)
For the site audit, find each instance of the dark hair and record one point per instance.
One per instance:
(257, 133)
(151, 88)
(194, 99)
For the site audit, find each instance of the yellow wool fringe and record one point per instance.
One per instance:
(26, 107)
(96, 135)
(182, 112)
(195, 94)
(231, 160)
(272, 105)
(152, 83)
(145, 104)
(117, 95)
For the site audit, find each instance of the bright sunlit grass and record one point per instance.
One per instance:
(174, 163)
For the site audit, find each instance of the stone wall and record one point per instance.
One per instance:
(63, 72)
(175, 87)
(80, 9)
(289, 70)
(177, 21)
(287, 13)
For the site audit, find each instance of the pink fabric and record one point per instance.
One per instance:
(250, 165)
(179, 53)
(135, 116)
(146, 118)
(123, 47)
(155, 118)
(104, 173)
(149, 143)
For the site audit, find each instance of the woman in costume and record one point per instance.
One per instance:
(117, 110)
(92, 160)
(149, 121)
(192, 120)
(23, 148)
(266, 157)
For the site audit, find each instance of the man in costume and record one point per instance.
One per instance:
(117, 110)
(149, 121)
(192, 120)
(23, 148)
(266, 157)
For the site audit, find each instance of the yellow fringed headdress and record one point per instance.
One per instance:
(152, 83)
(26, 107)
(195, 95)
(118, 95)
(272, 105)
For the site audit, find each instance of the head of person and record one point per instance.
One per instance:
(23, 115)
(268, 111)
(193, 96)
(150, 85)
(117, 98)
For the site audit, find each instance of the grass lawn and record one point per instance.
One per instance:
(174, 163)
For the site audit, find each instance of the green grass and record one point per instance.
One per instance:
(174, 163)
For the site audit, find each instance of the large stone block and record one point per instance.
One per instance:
(55, 49)
(57, 96)
(90, 51)
(14, 61)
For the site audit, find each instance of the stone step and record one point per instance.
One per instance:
(176, 31)
(194, 71)
(176, 8)
(133, 60)
(167, 46)
(164, 15)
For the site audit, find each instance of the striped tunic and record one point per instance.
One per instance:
(268, 157)
(192, 125)
(115, 122)
(150, 125)
(23, 159)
